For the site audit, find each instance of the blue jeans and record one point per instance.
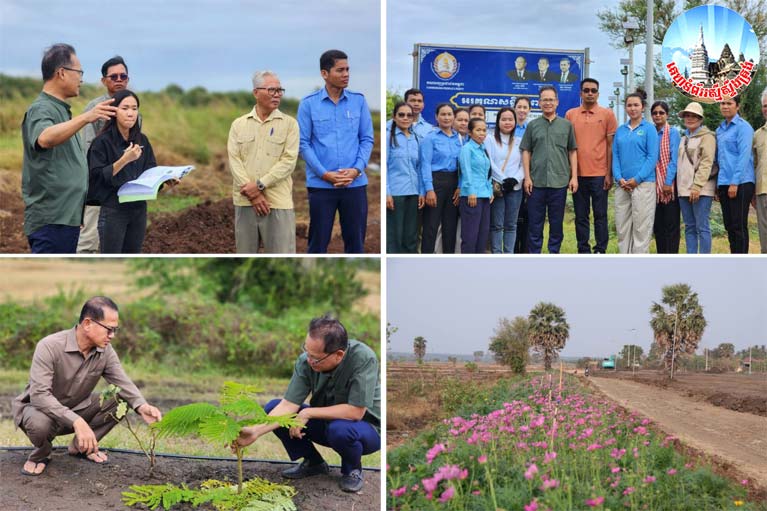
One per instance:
(697, 233)
(503, 222)
(54, 239)
(350, 439)
(538, 203)
(591, 194)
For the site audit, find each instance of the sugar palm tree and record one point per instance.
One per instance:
(549, 330)
(677, 322)
(419, 348)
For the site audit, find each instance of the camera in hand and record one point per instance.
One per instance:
(508, 184)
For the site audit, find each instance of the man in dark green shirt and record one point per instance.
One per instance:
(54, 178)
(551, 167)
(344, 412)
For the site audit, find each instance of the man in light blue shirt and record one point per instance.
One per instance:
(414, 98)
(336, 141)
(736, 179)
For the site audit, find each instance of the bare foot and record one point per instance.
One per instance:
(32, 468)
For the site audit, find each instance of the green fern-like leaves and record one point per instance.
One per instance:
(257, 495)
(219, 429)
(244, 408)
(232, 391)
(185, 420)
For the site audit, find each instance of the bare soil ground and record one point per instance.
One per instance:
(73, 484)
(734, 391)
(413, 395)
(207, 228)
(738, 439)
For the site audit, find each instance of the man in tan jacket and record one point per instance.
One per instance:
(263, 149)
(760, 167)
(58, 399)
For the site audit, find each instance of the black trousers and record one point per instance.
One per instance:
(122, 229)
(445, 214)
(666, 227)
(735, 216)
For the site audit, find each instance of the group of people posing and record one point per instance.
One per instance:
(476, 184)
(74, 166)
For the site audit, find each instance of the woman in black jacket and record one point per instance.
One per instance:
(121, 153)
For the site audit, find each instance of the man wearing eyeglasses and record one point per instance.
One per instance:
(54, 178)
(344, 413)
(595, 127)
(58, 399)
(263, 150)
(114, 76)
(336, 142)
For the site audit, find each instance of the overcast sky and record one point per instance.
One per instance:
(534, 24)
(216, 44)
(455, 302)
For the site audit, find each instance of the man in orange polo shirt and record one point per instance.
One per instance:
(595, 127)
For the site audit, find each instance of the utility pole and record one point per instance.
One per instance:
(649, 69)
(749, 360)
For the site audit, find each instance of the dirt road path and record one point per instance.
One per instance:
(737, 438)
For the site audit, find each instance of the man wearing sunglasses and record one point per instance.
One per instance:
(54, 178)
(595, 127)
(58, 399)
(114, 76)
(344, 412)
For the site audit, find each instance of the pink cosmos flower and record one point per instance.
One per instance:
(629, 490)
(434, 452)
(550, 456)
(649, 479)
(531, 471)
(532, 506)
(399, 491)
(447, 494)
(482, 459)
(595, 501)
(671, 471)
(548, 484)
(615, 470)
(476, 492)
(744, 482)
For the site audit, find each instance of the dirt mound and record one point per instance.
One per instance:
(74, 484)
(748, 404)
(12, 239)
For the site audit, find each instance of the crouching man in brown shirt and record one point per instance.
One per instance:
(58, 399)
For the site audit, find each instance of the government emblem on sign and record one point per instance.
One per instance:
(445, 66)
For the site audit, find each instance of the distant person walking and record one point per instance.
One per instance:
(54, 179)
(263, 150)
(336, 139)
(635, 153)
(114, 76)
(736, 179)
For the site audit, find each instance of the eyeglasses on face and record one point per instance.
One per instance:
(314, 361)
(659, 112)
(404, 115)
(118, 77)
(589, 90)
(111, 330)
(80, 71)
(272, 91)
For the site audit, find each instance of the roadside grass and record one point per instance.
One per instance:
(171, 204)
(524, 444)
(163, 384)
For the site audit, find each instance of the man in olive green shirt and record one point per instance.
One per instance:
(263, 150)
(58, 399)
(344, 412)
(551, 167)
(54, 176)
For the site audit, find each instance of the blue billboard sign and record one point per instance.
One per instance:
(495, 77)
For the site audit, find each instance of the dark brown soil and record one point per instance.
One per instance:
(207, 228)
(735, 391)
(73, 484)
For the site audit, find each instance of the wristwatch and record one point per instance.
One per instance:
(261, 186)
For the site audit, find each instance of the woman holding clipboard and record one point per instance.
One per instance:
(120, 153)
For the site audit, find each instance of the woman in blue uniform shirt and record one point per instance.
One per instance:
(404, 187)
(476, 191)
